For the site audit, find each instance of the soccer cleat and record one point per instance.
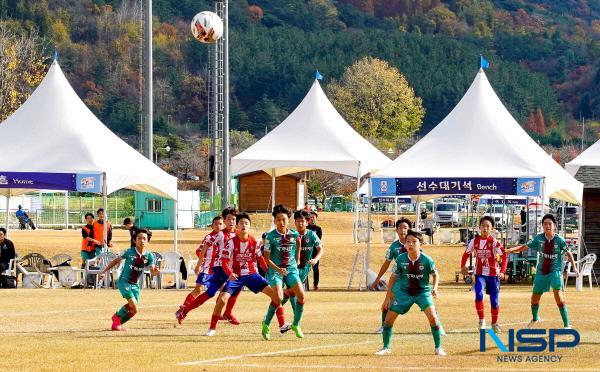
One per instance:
(297, 331)
(496, 328)
(439, 351)
(379, 331)
(230, 318)
(568, 327)
(384, 351)
(116, 325)
(533, 323)
(211, 332)
(481, 323)
(266, 332)
(284, 328)
(180, 315)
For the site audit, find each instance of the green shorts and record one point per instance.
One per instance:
(290, 279)
(129, 291)
(542, 283)
(303, 272)
(85, 255)
(402, 301)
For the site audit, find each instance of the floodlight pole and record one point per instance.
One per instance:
(226, 192)
(148, 102)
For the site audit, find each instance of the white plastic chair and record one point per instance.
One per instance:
(100, 262)
(388, 234)
(12, 268)
(585, 269)
(170, 266)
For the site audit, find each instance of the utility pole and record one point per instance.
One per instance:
(148, 102)
(582, 133)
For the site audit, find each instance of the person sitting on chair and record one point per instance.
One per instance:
(7, 250)
(24, 219)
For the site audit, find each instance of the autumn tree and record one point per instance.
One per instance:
(376, 99)
(21, 68)
(539, 122)
(322, 184)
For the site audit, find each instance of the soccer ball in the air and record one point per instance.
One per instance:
(207, 27)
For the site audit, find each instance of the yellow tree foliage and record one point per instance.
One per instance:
(21, 69)
(376, 99)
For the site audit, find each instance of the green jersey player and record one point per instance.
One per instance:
(551, 248)
(309, 242)
(409, 284)
(395, 249)
(136, 259)
(282, 254)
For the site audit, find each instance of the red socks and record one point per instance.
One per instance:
(280, 316)
(213, 321)
(479, 308)
(495, 315)
(230, 304)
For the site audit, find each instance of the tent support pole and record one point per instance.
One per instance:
(67, 210)
(368, 255)
(7, 212)
(273, 188)
(176, 223)
(579, 244)
(105, 206)
(562, 218)
(357, 206)
(395, 210)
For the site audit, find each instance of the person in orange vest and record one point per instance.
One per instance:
(99, 231)
(88, 243)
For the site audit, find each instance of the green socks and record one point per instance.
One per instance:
(298, 310)
(564, 314)
(383, 315)
(437, 336)
(123, 314)
(534, 311)
(270, 313)
(294, 303)
(387, 336)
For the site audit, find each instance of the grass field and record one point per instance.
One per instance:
(68, 329)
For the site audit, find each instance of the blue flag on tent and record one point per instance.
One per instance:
(318, 75)
(483, 63)
(55, 55)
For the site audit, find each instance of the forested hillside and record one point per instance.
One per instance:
(544, 56)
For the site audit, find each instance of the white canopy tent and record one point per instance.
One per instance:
(589, 158)
(480, 139)
(54, 132)
(313, 136)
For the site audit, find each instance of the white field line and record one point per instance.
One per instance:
(289, 351)
(404, 367)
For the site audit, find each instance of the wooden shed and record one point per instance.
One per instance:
(590, 177)
(255, 191)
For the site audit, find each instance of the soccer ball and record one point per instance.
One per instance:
(207, 27)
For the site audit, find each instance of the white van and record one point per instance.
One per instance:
(447, 213)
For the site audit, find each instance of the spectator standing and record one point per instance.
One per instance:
(99, 231)
(523, 218)
(133, 230)
(317, 229)
(7, 250)
(88, 243)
